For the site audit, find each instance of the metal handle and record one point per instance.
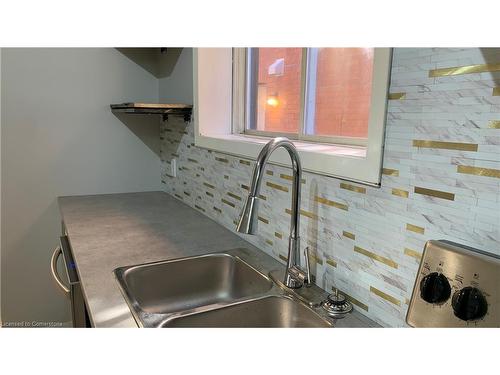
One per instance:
(308, 268)
(53, 269)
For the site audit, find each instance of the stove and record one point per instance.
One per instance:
(456, 286)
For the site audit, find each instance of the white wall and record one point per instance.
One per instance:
(59, 138)
(178, 87)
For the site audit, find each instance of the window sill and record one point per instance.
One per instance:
(339, 161)
(302, 146)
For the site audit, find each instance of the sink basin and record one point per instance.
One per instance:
(224, 289)
(185, 284)
(267, 312)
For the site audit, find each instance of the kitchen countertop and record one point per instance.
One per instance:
(114, 230)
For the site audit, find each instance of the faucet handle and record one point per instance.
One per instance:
(308, 281)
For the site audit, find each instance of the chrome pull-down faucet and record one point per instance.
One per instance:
(295, 277)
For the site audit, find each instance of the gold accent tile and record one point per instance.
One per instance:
(357, 189)
(331, 203)
(445, 145)
(192, 160)
(217, 209)
(352, 300)
(187, 193)
(269, 173)
(348, 235)
(397, 95)
(478, 171)
(469, 69)
(263, 197)
(265, 221)
(496, 91)
(228, 203)
(434, 193)
(245, 162)
(290, 178)
(385, 296)
(400, 193)
(277, 187)
(390, 172)
(234, 196)
(209, 194)
(331, 262)
(269, 242)
(209, 185)
(413, 253)
(415, 228)
(278, 235)
(308, 214)
(199, 208)
(316, 259)
(376, 257)
(284, 258)
(246, 187)
(305, 213)
(494, 124)
(222, 160)
(178, 196)
(226, 177)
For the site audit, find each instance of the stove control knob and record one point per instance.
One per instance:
(435, 288)
(469, 304)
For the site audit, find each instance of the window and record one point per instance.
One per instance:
(331, 101)
(310, 94)
(273, 90)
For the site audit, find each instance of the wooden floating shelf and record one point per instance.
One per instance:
(155, 109)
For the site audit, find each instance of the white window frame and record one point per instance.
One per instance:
(218, 114)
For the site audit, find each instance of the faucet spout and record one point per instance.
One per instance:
(294, 276)
(248, 223)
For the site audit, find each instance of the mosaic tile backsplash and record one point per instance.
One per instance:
(441, 180)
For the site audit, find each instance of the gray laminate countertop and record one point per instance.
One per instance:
(114, 230)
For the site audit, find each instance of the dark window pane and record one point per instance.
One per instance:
(340, 87)
(275, 89)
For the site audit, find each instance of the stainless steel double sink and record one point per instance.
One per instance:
(226, 289)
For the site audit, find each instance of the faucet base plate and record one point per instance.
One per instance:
(312, 295)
